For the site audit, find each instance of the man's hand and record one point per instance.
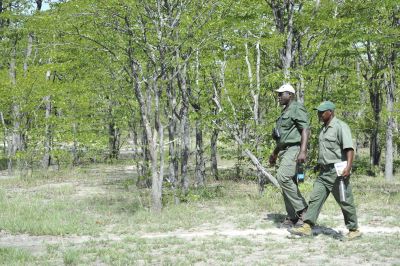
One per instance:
(349, 156)
(272, 158)
(346, 172)
(301, 158)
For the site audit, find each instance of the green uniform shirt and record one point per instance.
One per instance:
(333, 140)
(292, 121)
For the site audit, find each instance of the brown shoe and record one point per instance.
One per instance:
(353, 234)
(304, 230)
(288, 223)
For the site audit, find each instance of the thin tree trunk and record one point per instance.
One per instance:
(200, 163)
(287, 56)
(157, 169)
(75, 152)
(46, 161)
(5, 135)
(172, 150)
(28, 53)
(136, 151)
(214, 152)
(47, 142)
(217, 85)
(185, 130)
(375, 148)
(390, 86)
(113, 140)
(144, 170)
(256, 95)
(114, 134)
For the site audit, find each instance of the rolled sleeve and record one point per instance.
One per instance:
(346, 138)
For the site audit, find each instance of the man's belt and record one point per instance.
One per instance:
(326, 167)
(287, 145)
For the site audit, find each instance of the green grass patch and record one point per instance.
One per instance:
(14, 256)
(32, 215)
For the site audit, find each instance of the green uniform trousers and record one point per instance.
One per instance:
(328, 182)
(294, 201)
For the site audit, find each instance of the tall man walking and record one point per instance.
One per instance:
(335, 145)
(291, 134)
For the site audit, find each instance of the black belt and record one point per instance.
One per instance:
(287, 145)
(326, 167)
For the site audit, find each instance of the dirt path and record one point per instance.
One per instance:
(257, 232)
(37, 244)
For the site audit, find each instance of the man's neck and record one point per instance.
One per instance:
(329, 121)
(288, 104)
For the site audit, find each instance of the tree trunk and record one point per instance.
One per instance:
(217, 85)
(136, 148)
(157, 168)
(5, 135)
(144, 170)
(287, 51)
(173, 164)
(47, 142)
(184, 113)
(375, 148)
(114, 134)
(200, 164)
(113, 140)
(46, 161)
(28, 53)
(75, 151)
(390, 87)
(214, 153)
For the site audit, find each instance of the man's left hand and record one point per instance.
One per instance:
(346, 172)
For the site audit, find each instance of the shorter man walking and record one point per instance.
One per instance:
(335, 145)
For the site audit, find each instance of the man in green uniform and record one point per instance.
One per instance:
(291, 134)
(335, 145)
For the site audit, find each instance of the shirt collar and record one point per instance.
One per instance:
(331, 124)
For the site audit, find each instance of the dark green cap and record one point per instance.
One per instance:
(327, 105)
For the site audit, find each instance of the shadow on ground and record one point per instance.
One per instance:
(278, 218)
(322, 230)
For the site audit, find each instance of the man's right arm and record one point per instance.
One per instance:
(305, 134)
(274, 156)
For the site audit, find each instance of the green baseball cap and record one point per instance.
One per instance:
(326, 105)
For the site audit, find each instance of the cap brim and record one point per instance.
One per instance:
(284, 91)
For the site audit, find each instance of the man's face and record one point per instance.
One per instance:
(283, 98)
(324, 116)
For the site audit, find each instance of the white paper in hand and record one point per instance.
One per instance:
(340, 167)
